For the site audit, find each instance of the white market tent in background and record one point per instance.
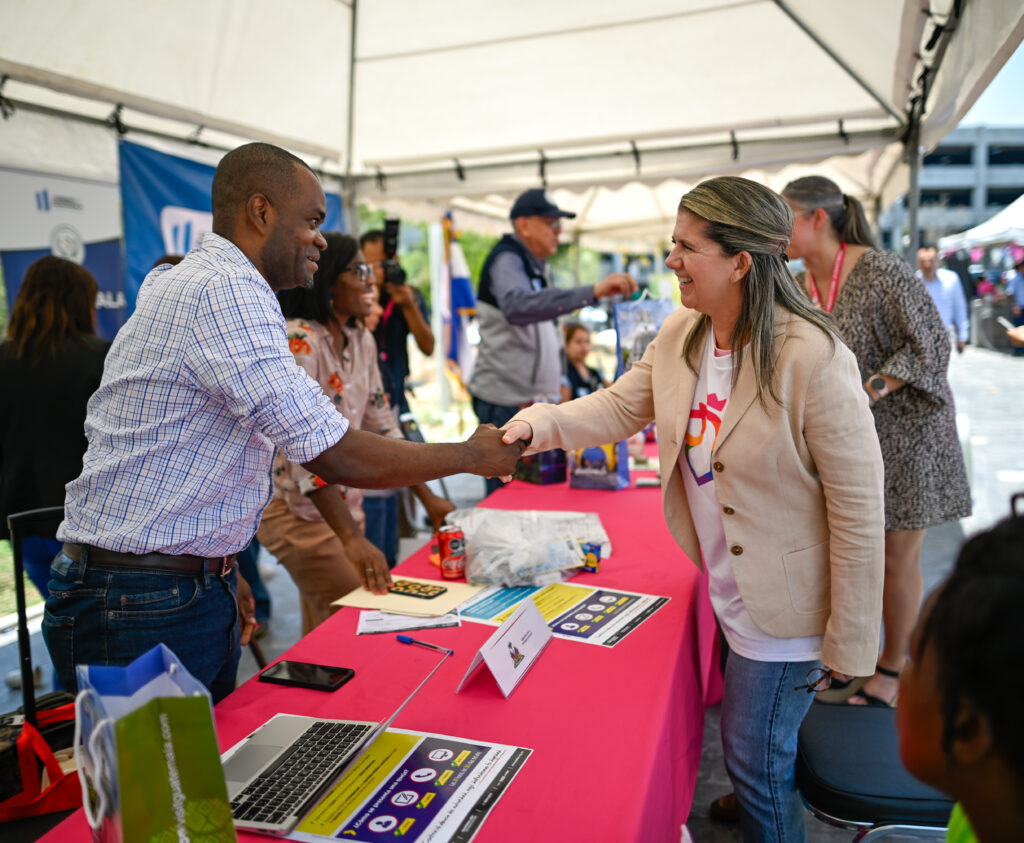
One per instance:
(1004, 228)
(419, 107)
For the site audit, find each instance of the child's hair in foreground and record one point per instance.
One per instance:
(976, 629)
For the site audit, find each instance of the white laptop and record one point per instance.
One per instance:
(278, 774)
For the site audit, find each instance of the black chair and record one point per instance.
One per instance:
(33, 523)
(849, 773)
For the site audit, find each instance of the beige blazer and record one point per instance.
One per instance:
(800, 485)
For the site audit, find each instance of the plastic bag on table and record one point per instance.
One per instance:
(526, 547)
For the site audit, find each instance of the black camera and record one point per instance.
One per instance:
(393, 272)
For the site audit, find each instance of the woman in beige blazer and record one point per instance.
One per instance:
(771, 477)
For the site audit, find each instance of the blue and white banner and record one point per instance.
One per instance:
(76, 219)
(167, 209)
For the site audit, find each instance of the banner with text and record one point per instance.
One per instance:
(167, 209)
(76, 219)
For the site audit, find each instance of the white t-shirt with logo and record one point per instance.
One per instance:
(710, 398)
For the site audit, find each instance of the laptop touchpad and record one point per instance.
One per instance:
(249, 760)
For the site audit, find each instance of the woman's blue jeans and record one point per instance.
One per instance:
(761, 716)
(110, 616)
(382, 525)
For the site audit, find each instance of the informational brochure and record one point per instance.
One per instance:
(418, 786)
(578, 612)
(374, 623)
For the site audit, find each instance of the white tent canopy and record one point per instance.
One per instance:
(465, 103)
(1005, 227)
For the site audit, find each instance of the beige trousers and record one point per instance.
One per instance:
(313, 555)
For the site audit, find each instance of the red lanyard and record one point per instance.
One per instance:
(833, 286)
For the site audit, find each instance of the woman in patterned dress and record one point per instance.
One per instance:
(316, 529)
(888, 320)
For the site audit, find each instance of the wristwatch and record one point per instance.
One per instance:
(879, 385)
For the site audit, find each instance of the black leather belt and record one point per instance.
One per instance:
(183, 564)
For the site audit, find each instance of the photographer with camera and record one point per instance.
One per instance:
(405, 312)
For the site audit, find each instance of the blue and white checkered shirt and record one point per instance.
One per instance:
(198, 389)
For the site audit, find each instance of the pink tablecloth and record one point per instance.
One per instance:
(616, 732)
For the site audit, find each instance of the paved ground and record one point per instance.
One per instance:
(988, 386)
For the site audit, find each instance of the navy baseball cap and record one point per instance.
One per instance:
(536, 203)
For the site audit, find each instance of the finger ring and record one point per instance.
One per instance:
(369, 570)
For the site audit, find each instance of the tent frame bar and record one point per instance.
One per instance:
(918, 105)
(810, 33)
(542, 161)
(115, 123)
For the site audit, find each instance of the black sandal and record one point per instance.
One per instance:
(878, 702)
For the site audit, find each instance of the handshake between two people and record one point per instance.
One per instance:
(494, 454)
(369, 461)
(513, 438)
(515, 435)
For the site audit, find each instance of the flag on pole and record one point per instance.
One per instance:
(459, 308)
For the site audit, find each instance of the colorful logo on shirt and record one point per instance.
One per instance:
(712, 413)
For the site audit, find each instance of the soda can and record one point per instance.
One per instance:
(452, 544)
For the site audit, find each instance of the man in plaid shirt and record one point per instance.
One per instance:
(198, 390)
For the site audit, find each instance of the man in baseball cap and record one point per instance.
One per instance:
(536, 203)
(519, 360)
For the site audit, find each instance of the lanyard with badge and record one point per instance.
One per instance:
(833, 286)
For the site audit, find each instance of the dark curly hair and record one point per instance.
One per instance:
(56, 303)
(976, 628)
(315, 302)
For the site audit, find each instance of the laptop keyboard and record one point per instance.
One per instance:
(281, 790)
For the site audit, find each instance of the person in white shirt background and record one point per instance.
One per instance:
(944, 287)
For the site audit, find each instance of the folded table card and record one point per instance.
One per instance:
(513, 648)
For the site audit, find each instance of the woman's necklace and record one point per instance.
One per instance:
(833, 286)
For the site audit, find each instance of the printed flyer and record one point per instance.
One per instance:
(580, 613)
(418, 786)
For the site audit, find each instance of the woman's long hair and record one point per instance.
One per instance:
(315, 302)
(56, 303)
(743, 216)
(845, 213)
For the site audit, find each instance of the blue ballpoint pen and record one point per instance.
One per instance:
(408, 639)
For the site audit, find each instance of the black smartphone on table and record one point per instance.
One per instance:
(319, 677)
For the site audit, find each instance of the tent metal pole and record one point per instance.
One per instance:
(436, 252)
(912, 147)
(351, 207)
(576, 257)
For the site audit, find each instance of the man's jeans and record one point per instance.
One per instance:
(497, 415)
(110, 616)
(761, 716)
